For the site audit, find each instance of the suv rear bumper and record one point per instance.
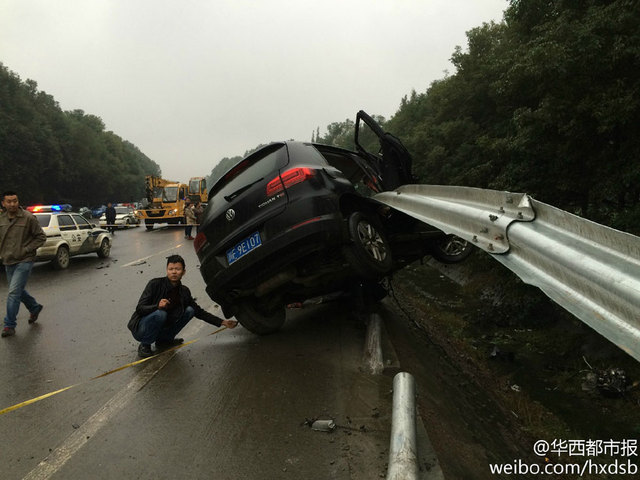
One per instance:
(277, 254)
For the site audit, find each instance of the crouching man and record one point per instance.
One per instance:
(164, 308)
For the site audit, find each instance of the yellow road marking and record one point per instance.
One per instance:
(128, 365)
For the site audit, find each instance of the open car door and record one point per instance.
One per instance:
(392, 162)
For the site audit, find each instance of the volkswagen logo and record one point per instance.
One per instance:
(231, 214)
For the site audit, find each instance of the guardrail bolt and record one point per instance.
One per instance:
(475, 238)
(501, 210)
(491, 247)
(493, 218)
(520, 215)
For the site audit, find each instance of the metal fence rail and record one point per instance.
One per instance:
(591, 270)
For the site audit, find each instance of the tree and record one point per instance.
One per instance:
(51, 156)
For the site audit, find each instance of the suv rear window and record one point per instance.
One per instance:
(252, 169)
(43, 220)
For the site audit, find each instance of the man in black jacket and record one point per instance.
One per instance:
(110, 217)
(164, 308)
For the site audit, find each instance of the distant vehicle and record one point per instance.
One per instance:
(295, 220)
(68, 234)
(85, 212)
(98, 210)
(125, 218)
(164, 202)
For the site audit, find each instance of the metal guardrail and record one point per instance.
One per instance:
(591, 270)
(403, 450)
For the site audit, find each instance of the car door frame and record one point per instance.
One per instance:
(393, 165)
(70, 233)
(88, 241)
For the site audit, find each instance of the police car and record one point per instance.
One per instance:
(68, 234)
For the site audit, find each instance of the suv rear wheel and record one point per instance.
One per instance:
(369, 252)
(260, 321)
(61, 260)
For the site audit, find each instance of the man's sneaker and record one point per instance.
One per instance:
(144, 350)
(34, 315)
(168, 343)
(8, 332)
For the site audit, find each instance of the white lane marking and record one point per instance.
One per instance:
(74, 442)
(144, 259)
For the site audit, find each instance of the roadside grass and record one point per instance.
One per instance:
(529, 353)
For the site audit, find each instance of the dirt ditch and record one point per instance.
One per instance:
(499, 367)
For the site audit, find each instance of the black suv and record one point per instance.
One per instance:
(296, 220)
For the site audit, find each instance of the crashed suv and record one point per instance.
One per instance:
(297, 220)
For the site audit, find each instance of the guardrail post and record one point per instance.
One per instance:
(403, 457)
(373, 350)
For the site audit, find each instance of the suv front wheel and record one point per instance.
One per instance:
(451, 249)
(105, 248)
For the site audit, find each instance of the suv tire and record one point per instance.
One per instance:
(105, 248)
(259, 321)
(369, 252)
(61, 260)
(451, 249)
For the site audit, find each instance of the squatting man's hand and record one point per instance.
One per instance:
(164, 303)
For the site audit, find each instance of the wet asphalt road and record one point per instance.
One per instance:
(228, 406)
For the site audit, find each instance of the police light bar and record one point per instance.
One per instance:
(44, 208)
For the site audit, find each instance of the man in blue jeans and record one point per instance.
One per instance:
(164, 308)
(20, 237)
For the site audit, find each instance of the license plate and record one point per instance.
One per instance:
(252, 242)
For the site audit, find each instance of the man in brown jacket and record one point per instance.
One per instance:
(20, 237)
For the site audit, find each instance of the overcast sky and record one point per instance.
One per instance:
(192, 81)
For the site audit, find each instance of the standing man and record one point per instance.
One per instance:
(165, 307)
(190, 216)
(20, 237)
(198, 210)
(110, 217)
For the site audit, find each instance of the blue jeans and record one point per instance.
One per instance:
(17, 276)
(151, 327)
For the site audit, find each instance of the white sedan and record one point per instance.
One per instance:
(125, 218)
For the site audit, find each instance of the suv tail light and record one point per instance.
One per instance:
(199, 241)
(289, 178)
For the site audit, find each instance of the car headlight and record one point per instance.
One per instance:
(173, 212)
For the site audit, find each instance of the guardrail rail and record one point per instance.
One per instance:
(591, 270)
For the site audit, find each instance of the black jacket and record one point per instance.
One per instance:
(110, 214)
(156, 290)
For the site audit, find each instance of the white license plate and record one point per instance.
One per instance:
(252, 242)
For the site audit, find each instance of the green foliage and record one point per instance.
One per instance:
(51, 156)
(341, 134)
(546, 102)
